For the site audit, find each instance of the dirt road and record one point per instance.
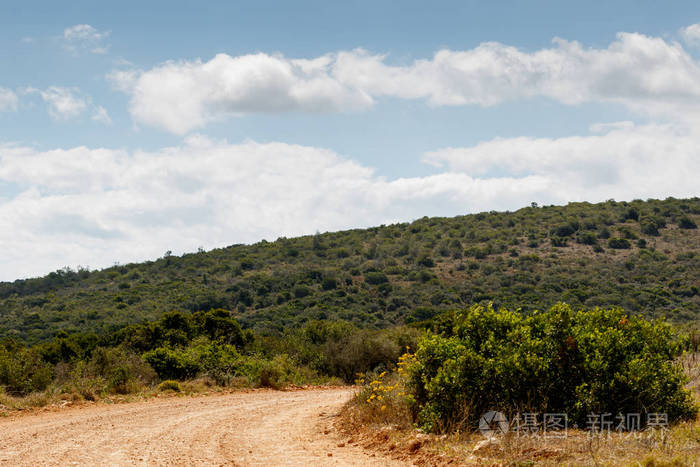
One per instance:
(247, 428)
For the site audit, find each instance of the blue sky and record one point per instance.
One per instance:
(340, 114)
(148, 33)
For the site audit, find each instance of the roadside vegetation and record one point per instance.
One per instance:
(191, 352)
(560, 361)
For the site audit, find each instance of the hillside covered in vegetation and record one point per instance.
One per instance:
(641, 255)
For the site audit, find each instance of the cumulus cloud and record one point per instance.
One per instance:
(181, 96)
(646, 74)
(643, 73)
(83, 37)
(8, 100)
(691, 35)
(95, 206)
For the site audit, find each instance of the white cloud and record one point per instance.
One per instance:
(181, 96)
(626, 162)
(605, 127)
(97, 206)
(64, 103)
(691, 35)
(646, 74)
(83, 37)
(8, 100)
(100, 115)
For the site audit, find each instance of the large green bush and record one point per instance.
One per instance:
(22, 370)
(171, 364)
(560, 361)
(123, 370)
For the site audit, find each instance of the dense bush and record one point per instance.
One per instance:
(208, 345)
(169, 364)
(358, 353)
(619, 243)
(275, 372)
(108, 370)
(686, 222)
(376, 278)
(560, 361)
(650, 227)
(339, 349)
(22, 370)
(123, 370)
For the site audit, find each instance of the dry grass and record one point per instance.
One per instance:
(691, 366)
(87, 392)
(680, 446)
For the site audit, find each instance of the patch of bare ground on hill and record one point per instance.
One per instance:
(256, 427)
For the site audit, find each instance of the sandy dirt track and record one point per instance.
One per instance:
(247, 428)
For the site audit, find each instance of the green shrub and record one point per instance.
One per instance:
(171, 364)
(686, 222)
(213, 359)
(632, 213)
(561, 361)
(360, 352)
(376, 278)
(329, 283)
(650, 227)
(421, 313)
(558, 241)
(565, 230)
(22, 370)
(586, 238)
(627, 233)
(169, 385)
(619, 243)
(122, 381)
(301, 291)
(219, 325)
(115, 370)
(275, 373)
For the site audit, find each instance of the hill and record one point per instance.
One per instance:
(641, 255)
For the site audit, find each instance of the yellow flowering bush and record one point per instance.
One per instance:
(385, 396)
